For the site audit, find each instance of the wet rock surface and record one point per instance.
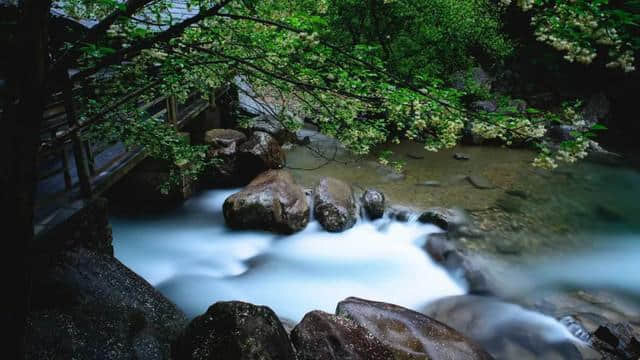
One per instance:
(272, 126)
(221, 138)
(323, 336)
(409, 334)
(88, 305)
(447, 219)
(334, 205)
(235, 331)
(259, 153)
(508, 331)
(373, 202)
(272, 201)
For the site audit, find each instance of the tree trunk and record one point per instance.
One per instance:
(20, 140)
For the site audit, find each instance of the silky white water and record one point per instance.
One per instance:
(194, 260)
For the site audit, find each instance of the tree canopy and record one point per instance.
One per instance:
(366, 72)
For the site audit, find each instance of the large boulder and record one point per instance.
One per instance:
(373, 203)
(409, 334)
(258, 154)
(235, 331)
(322, 336)
(272, 201)
(334, 205)
(223, 147)
(87, 305)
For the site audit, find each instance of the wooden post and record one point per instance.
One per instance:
(82, 165)
(67, 172)
(172, 110)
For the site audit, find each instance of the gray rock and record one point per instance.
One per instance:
(235, 331)
(401, 213)
(430, 183)
(322, 336)
(461, 156)
(258, 154)
(334, 205)
(596, 109)
(476, 77)
(272, 126)
(619, 339)
(447, 219)
(485, 105)
(373, 203)
(409, 334)
(561, 132)
(507, 331)
(221, 138)
(272, 201)
(480, 182)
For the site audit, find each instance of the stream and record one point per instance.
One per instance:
(550, 234)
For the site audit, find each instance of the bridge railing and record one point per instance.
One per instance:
(70, 162)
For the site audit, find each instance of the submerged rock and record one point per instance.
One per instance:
(461, 156)
(409, 334)
(480, 182)
(322, 336)
(258, 154)
(507, 331)
(235, 331)
(272, 201)
(401, 213)
(334, 205)
(373, 203)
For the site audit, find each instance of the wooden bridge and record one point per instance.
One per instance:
(74, 168)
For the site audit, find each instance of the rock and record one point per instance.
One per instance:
(258, 154)
(224, 171)
(409, 334)
(511, 205)
(401, 213)
(469, 137)
(443, 251)
(272, 201)
(438, 246)
(506, 331)
(87, 305)
(415, 156)
(461, 156)
(518, 105)
(430, 183)
(373, 203)
(334, 205)
(485, 105)
(272, 126)
(518, 193)
(235, 331)
(222, 138)
(480, 182)
(476, 77)
(447, 219)
(596, 109)
(618, 339)
(561, 133)
(322, 336)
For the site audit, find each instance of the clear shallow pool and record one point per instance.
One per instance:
(192, 258)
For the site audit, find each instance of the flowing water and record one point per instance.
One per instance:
(191, 257)
(574, 229)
